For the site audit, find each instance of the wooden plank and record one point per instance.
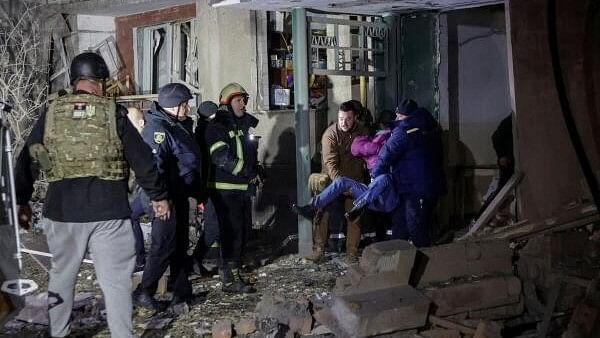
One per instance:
(493, 207)
(569, 220)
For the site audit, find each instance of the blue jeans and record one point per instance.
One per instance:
(378, 195)
(412, 219)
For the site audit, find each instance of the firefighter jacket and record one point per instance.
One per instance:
(178, 156)
(232, 150)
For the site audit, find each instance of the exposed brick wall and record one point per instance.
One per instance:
(124, 30)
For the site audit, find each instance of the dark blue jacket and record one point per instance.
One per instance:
(413, 154)
(233, 153)
(177, 154)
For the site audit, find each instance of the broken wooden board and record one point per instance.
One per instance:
(493, 207)
(569, 220)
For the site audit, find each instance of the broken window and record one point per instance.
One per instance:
(165, 53)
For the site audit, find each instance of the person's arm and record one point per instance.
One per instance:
(221, 155)
(364, 146)
(139, 156)
(331, 156)
(393, 149)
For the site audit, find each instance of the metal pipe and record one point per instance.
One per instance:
(302, 106)
(13, 196)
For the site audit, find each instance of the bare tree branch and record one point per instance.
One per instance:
(23, 74)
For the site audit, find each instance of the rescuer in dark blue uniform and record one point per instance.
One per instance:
(168, 131)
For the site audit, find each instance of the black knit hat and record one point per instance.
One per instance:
(173, 94)
(406, 107)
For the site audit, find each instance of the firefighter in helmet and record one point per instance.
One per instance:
(233, 169)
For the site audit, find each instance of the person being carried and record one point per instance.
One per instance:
(379, 195)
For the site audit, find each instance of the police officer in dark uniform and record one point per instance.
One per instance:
(168, 131)
(85, 145)
(233, 169)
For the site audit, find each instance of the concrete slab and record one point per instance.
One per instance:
(475, 295)
(358, 281)
(389, 256)
(466, 258)
(381, 311)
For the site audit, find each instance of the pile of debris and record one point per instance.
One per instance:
(437, 292)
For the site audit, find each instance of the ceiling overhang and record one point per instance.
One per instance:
(373, 7)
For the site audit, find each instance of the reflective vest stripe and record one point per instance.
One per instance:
(217, 145)
(228, 186)
(239, 152)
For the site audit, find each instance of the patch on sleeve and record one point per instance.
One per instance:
(159, 137)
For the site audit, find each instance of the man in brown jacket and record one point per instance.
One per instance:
(338, 161)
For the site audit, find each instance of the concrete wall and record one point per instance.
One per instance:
(553, 177)
(473, 99)
(479, 40)
(93, 29)
(230, 41)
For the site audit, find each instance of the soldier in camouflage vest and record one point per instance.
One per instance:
(85, 144)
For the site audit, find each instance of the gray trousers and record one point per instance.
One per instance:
(111, 244)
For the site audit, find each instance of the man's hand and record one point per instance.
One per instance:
(162, 209)
(24, 216)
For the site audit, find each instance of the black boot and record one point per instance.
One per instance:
(143, 299)
(233, 282)
(306, 211)
(355, 213)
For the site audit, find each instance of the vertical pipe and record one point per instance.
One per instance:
(301, 105)
(363, 59)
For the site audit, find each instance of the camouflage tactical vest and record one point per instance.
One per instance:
(81, 140)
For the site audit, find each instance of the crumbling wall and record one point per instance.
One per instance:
(545, 153)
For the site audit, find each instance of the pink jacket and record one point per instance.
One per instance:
(368, 147)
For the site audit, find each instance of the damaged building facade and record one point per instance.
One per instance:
(471, 64)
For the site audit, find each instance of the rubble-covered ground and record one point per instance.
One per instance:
(287, 277)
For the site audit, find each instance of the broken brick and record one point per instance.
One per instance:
(295, 315)
(222, 329)
(245, 326)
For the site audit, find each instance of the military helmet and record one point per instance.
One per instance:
(230, 91)
(173, 94)
(88, 65)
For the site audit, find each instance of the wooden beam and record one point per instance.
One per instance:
(496, 203)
